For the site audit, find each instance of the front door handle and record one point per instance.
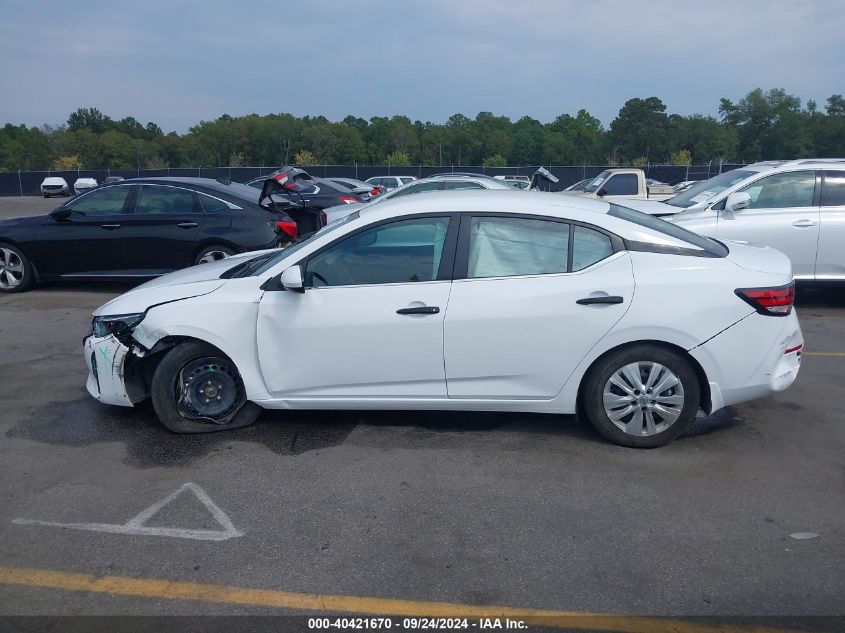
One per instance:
(599, 300)
(419, 310)
(110, 227)
(803, 223)
(187, 225)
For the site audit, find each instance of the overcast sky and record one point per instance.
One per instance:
(177, 63)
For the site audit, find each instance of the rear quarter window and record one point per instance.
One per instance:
(701, 246)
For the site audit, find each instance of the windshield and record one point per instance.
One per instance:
(706, 189)
(717, 249)
(268, 263)
(595, 183)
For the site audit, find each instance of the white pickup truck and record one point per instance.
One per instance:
(613, 184)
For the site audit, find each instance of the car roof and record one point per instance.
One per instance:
(236, 189)
(516, 201)
(499, 200)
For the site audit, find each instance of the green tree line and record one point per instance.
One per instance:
(762, 125)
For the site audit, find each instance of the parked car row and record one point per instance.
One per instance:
(57, 186)
(139, 228)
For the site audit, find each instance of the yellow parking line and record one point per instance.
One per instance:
(822, 353)
(384, 607)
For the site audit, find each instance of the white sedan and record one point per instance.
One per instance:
(492, 301)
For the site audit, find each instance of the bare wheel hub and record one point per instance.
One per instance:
(209, 390)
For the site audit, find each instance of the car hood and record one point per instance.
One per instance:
(175, 286)
(644, 205)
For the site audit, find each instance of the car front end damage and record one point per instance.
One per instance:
(112, 355)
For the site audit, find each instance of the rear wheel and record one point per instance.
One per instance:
(196, 389)
(643, 396)
(15, 269)
(213, 254)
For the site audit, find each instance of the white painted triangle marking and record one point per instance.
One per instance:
(136, 525)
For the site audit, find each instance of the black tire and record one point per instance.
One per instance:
(213, 251)
(593, 396)
(164, 391)
(28, 274)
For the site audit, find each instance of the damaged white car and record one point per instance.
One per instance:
(493, 301)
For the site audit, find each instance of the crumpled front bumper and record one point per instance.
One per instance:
(106, 360)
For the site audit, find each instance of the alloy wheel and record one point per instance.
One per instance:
(643, 398)
(212, 256)
(11, 269)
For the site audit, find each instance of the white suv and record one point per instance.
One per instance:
(797, 207)
(390, 182)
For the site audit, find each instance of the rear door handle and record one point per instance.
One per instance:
(110, 227)
(803, 223)
(419, 310)
(187, 225)
(599, 300)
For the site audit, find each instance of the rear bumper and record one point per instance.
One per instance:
(756, 357)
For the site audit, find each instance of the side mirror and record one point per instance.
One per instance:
(292, 279)
(60, 213)
(601, 192)
(737, 201)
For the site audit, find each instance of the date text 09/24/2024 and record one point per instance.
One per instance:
(415, 624)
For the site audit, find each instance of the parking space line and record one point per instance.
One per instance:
(823, 354)
(367, 606)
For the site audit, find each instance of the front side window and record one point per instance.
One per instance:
(106, 201)
(833, 189)
(782, 191)
(418, 188)
(461, 184)
(405, 251)
(505, 247)
(154, 200)
(621, 185)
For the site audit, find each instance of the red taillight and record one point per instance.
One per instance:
(376, 191)
(288, 228)
(772, 301)
(347, 199)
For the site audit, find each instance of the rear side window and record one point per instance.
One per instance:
(154, 200)
(506, 247)
(406, 180)
(708, 246)
(213, 205)
(621, 185)
(833, 189)
(589, 247)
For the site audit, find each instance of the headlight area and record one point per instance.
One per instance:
(121, 325)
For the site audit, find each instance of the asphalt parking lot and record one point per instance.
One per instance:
(518, 510)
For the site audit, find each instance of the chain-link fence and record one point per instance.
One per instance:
(27, 183)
